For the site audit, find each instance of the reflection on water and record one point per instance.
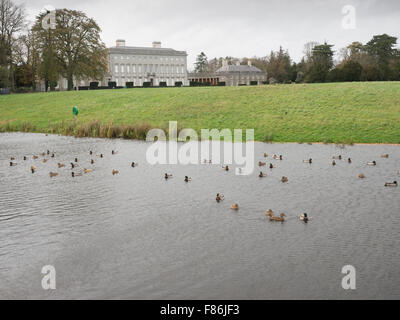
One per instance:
(135, 235)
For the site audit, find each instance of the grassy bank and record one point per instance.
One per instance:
(330, 113)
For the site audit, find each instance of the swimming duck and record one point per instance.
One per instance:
(337, 158)
(45, 160)
(389, 184)
(72, 165)
(48, 152)
(168, 176)
(43, 154)
(92, 161)
(372, 163)
(12, 164)
(53, 155)
(35, 157)
(76, 160)
(304, 218)
(278, 157)
(235, 207)
(220, 197)
(334, 163)
(73, 174)
(133, 165)
(284, 179)
(25, 158)
(349, 160)
(361, 176)
(114, 172)
(262, 175)
(308, 161)
(271, 217)
(33, 169)
(187, 179)
(101, 156)
(113, 153)
(12, 158)
(386, 156)
(60, 165)
(91, 153)
(262, 164)
(226, 168)
(265, 155)
(53, 174)
(271, 166)
(88, 170)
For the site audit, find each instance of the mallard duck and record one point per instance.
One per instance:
(349, 160)
(114, 172)
(53, 155)
(53, 174)
(101, 156)
(220, 197)
(278, 157)
(337, 158)
(308, 161)
(361, 176)
(391, 184)
(60, 165)
(334, 163)
(271, 217)
(35, 157)
(25, 158)
(304, 218)
(265, 155)
(92, 161)
(262, 175)
(271, 166)
(113, 152)
(168, 176)
(284, 179)
(12, 164)
(87, 170)
(187, 179)
(45, 160)
(226, 168)
(269, 213)
(12, 158)
(43, 154)
(33, 169)
(76, 160)
(48, 152)
(386, 156)
(372, 163)
(235, 207)
(134, 165)
(262, 164)
(78, 174)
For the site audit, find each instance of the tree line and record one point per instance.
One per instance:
(42, 52)
(377, 60)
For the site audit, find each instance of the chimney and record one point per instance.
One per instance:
(120, 43)
(156, 44)
(249, 63)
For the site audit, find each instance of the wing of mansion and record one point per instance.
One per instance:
(155, 65)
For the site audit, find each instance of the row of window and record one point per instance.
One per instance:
(166, 59)
(148, 68)
(139, 82)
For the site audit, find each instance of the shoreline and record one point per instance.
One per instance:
(339, 144)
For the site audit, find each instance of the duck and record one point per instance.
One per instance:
(12, 158)
(187, 179)
(235, 207)
(25, 158)
(72, 165)
(133, 165)
(304, 218)
(349, 160)
(35, 157)
(372, 163)
(284, 179)
(114, 172)
(53, 155)
(270, 215)
(168, 176)
(45, 160)
(88, 170)
(220, 197)
(278, 157)
(76, 160)
(361, 176)
(262, 175)
(43, 154)
(226, 168)
(90, 153)
(73, 174)
(262, 164)
(60, 165)
(334, 163)
(33, 169)
(53, 174)
(101, 155)
(12, 164)
(308, 161)
(48, 152)
(113, 152)
(386, 156)
(265, 155)
(337, 158)
(92, 161)
(391, 184)
(271, 166)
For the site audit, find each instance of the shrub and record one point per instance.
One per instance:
(112, 84)
(178, 84)
(94, 85)
(129, 84)
(254, 83)
(222, 84)
(163, 84)
(146, 84)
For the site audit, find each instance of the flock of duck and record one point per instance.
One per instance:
(75, 172)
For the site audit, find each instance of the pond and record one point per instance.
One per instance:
(135, 235)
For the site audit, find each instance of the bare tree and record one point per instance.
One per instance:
(12, 21)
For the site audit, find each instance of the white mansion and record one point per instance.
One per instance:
(154, 65)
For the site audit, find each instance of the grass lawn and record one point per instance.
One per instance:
(337, 112)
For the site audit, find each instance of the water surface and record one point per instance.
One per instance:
(137, 236)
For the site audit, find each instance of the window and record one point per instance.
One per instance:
(134, 68)
(128, 69)
(140, 68)
(116, 68)
(145, 68)
(151, 68)
(122, 68)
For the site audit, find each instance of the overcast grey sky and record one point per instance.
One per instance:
(233, 28)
